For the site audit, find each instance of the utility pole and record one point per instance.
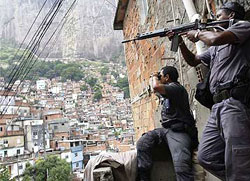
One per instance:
(18, 169)
(44, 141)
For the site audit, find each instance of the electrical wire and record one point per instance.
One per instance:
(62, 23)
(99, 12)
(28, 47)
(6, 93)
(27, 36)
(111, 4)
(37, 43)
(10, 75)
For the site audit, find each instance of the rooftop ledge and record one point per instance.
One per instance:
(120, 14)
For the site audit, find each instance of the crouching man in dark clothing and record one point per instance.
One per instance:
(178, 132)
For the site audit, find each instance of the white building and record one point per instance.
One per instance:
(120, 96)
(7, 101)
(55, 89)
(41, 84)
(66, 156)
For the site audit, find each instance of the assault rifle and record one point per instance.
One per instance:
(197, 25)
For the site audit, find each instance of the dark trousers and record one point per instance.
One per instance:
(179, 144)
(224, 149)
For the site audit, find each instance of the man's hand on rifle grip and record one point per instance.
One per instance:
(171, 34)
(193, 35)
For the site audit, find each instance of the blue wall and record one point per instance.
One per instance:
(77, 157)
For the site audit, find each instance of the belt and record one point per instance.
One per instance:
(222, 95)
(237, 92)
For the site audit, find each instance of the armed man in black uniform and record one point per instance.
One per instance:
(178, 132)
(224, 149)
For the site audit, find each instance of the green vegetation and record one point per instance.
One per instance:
(84, 87)
(98, 92)
(51, 169)
(67, 71)
(9, 57)
(104, 71)
(97, 95)
(71, 71)
(4, 174)
(122, 83)
(115, 74)
(91, 81)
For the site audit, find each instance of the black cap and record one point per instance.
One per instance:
(234, 6)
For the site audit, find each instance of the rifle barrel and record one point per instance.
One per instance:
(218, 22)
(129, 40)
(178, 29)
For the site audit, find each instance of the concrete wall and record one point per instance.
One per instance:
(11, 151)
(13, 141)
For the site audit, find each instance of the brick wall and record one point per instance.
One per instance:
(53, 117)
(94, 148)
(61, 136)
(146, 56)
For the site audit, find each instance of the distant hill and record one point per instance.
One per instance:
(88, 33)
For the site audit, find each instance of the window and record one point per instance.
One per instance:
(5, 142)
(67, 156)
(35, 135)
(18, 152)
(5, 153)
(55, 127)
(1, 129)
(20, 167)
(76, 154)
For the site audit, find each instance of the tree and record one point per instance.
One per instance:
(51, 169)
(126, 92)
(72, 73)
(122, 83)
(104, 70)
(97, 87)
(98, 95)
(4, 174)
(91, 81)
(115, 74)
(84, 87)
